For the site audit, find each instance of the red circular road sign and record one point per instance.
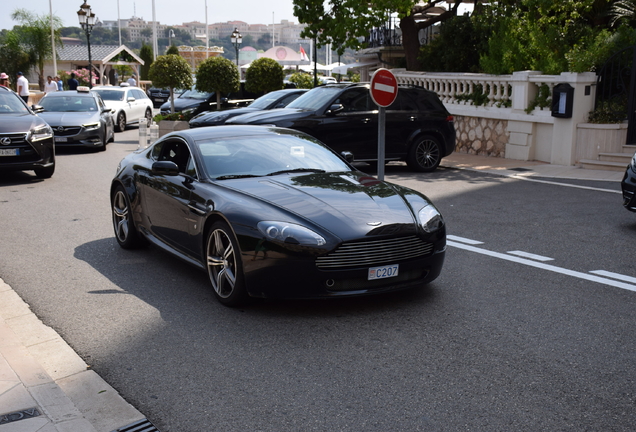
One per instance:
(384, 87)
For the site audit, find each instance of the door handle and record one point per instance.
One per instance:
(197, 208)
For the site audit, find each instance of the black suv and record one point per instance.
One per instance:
(26, 140)
(159, 96)
(419, 130)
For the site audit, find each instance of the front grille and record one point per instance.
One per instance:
(67, 131)
(374, 253)
(17, 139)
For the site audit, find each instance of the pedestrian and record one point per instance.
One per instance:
(72, 82)
(23, 87)
(4, 80)
(49, 85)
(60, 84)
(131, 81)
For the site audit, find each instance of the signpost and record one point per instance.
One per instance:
(384, 88)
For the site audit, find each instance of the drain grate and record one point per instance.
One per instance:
(19, 415)
(519, 169)
(140, 426)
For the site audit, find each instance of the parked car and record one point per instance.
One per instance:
(271, 100)
(419, 129)
(628, 185)
(272, 212)
(26, 140)
(78, 118)
(130, 105)
(194, 101)
(160, 95)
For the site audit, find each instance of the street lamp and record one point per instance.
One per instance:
(87, 21)
(236, 40)
(170, 36)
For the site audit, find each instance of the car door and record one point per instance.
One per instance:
(142, 102)
(401, 121)
(354, 127)
(166, 198)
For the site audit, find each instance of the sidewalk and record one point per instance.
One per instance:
(46, 387)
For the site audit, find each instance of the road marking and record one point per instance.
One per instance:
(463, 240)
(615, 276)
(542, 266)
(520, 177)
(531, 256)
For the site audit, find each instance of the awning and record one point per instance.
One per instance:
(342, 70)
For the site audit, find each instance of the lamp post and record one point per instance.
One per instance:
(170, 36)
(236, 40)
(87, 21)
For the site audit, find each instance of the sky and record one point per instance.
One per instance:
(170, 12)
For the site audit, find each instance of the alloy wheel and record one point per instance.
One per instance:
(221, 262)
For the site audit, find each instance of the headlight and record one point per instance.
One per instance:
(221, 117)
(633, 164)
(188, 111)
(41, 133)
(290, 233)
(430, 219)
(91, 126)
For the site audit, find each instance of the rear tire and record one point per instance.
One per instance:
(224, 265)
(125, 231)
(121, 122)
(425, 155)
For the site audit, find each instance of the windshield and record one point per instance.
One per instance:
(110, 95)
(261, 155)
(68, 104)
(316, 98)
(10, 104)
(195, 94)
(266, 100)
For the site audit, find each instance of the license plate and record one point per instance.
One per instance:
(383, 272)
(159, 100)
(9, 152)
(61, 139)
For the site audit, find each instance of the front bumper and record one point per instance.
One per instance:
(628, 186)
(28, 155)
(77, 136)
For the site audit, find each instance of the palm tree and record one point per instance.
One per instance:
(623, 9)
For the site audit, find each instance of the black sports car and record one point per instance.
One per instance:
(26, 141)
(272, 100)
(628, 186)
(272, 212)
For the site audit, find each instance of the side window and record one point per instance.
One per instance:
(357, 99)
(177, 152)
(287, 100)
(139, 94)
(405, 101)
(156, 150)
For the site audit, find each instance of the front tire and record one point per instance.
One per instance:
(46, 172)
(125, 231)
(425, 155)
(121, 122)
(224, 265)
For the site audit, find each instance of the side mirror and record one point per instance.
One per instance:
(167, 168)
(335, 109)
(347, 155)
(37, 108)
(130, 99)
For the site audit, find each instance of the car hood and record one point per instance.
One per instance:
(23, 122)
(182, 103)
(211, 117)
(347, 204)
(270, 117)
(69, 118)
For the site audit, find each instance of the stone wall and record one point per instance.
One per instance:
(481, 136)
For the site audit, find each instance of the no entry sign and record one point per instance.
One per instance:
(384, 87)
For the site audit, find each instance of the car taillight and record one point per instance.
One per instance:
(450, 118)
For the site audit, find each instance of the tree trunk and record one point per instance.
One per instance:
(410, 42)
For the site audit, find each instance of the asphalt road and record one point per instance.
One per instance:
(502, 341)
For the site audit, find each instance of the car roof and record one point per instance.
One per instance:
(228, 131)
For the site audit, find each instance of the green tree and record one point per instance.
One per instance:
(171, 71)
(264, 75)
(35, 36)
(302, 80)
(146, 54)
(173, 50)
(219, 75)
(343, 22)
(13, 57)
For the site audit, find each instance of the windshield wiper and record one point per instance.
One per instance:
(235, 176)
(316, 170)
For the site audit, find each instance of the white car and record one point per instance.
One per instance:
(130, 105)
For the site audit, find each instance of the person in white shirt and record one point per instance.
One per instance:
(23, 87)
(50, 85)
(131, 81)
